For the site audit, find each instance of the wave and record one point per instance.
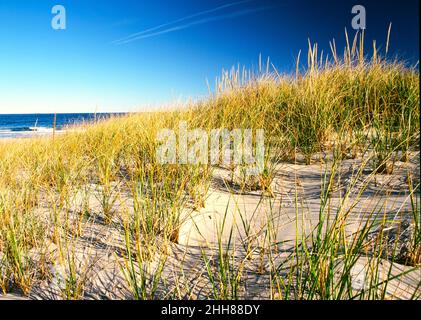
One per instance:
(14, 129)
(42, 129)
(27, 132)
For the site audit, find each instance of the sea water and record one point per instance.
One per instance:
(27, 125)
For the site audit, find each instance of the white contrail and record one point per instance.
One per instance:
(181, 20)
(144, 35)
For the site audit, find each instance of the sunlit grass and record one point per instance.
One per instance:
(351, 106)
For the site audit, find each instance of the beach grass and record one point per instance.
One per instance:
(358, 105)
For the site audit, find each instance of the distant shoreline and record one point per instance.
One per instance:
(35, 125)
(30, 135)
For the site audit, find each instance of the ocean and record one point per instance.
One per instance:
(27, 125)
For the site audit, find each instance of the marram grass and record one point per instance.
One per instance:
(353, 106)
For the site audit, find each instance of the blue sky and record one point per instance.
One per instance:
(84, 69)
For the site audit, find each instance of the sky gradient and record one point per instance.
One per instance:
(107, 61)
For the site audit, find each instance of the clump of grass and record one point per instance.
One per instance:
(19, 234)
(410, 253)
(143, 266)
(224, 272)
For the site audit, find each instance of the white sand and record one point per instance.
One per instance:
(98, 251)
